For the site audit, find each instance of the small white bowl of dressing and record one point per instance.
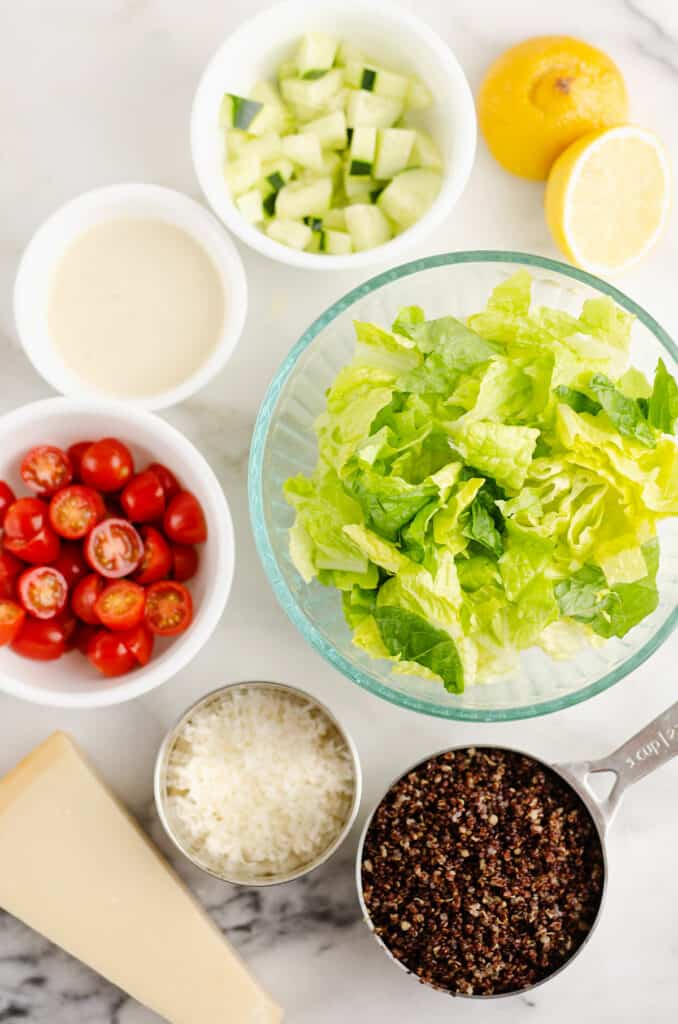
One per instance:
(130, 292)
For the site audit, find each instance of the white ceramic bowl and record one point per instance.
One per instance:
(72, 682)
(389, 35)
(45, 249)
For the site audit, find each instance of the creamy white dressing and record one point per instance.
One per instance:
(136, 306)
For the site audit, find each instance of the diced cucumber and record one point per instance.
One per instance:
(314, 93)
(330, 130)
(394, 146)
(339, 101)
(304, 150)
(288, 69)
(304, 199)
(270, 118)
(282, 167)
(366, 108)
(289, 232)
(316, 53)
(418, 96)
(266, 147)
(425, 153)
(377, 80)
(238, 111)
(336, 243)
(314, 223)
(236, 140)
(346, 53)
(363, 148)
(367, 226)
(358, 190)
(267, 94)
(335, 220)
(407, 198)
(301, 113)
(251, 206)
(242, 174)
(332, 165)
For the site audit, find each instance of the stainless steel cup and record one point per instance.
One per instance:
(647, 750)
(160, 788)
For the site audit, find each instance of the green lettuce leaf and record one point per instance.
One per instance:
(412, 638)
(577, 400)
(662, 409)
(624, 412)
(407, 318)
(502, 452)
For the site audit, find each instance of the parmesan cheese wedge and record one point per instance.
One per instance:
(75, 867)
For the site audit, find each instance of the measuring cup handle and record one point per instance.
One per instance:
(650, 748)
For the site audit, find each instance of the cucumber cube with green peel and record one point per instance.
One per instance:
(330, 130)
(408, 197)
(315, 55)
(292, 233)
(363, 149)
(238, 111)
(251, 206)
(242, 174)
(367, 226)
(304, 150)
(425, 153)
(367, 108)
(394, 147)
(300, 199)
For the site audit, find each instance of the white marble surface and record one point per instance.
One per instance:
(98, 91)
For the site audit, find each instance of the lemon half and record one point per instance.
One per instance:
(607, 198)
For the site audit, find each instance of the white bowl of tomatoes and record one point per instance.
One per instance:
(116, 552)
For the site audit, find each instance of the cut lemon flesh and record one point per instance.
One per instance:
(607, 198)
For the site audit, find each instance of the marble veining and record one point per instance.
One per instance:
(99, 93)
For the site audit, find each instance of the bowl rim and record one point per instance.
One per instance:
(265, 547)
(200, 222)
(455, 176)
(150, 677)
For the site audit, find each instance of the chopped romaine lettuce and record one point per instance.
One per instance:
(490, 485)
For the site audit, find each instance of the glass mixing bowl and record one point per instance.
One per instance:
(284, 444)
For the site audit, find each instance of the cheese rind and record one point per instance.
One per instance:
(76, 867)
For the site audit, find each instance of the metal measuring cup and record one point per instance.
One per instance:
(645, 751)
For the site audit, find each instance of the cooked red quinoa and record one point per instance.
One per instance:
(482, 871)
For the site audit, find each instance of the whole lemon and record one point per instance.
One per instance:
(542, 95)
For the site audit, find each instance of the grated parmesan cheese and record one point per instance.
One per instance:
(259, 783)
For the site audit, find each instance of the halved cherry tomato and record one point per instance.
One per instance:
(110, 655)
(75, 454)
(71, 563)
(114, 548)
(143, 499)
(139, 641)
(10, 567)
(85, 597)
(45, 469)
(73, 511)
(184, 562)
(107, 465)
(42, 591)
(120, 605)
(184, 521)
(83, 636)
(168, 481)
(69, 624)
(11, 620)
(28, 533)
(41, 640)
(169, 608)
(6, 499)
(157, 561)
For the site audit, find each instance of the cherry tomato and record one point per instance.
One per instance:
(43, 592)
(157, 561)
(69, 624)
(83, 636)
(41, 640)
(169, 608)
(143, 499)
(10, 567)
(109, 654)
(28, 533)
(75, 454)
(85, 597)
(168, 481)
(107, 465)
(139, 641)
(11, 620)
(71, 563)
(184, 562)
(114, 548)
(7, 498)
(73, 511)
(45, 469)
(184, 520)
(120, 605)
